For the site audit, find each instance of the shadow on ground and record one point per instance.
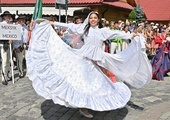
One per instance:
(134, 106)
(51, 111)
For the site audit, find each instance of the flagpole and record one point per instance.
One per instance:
(66, 9)
(12, 65)
(59, 13)
(66, 15)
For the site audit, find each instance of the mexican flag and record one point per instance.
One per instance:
(37, 10)
(37, 14)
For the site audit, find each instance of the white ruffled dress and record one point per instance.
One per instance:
(70, 78)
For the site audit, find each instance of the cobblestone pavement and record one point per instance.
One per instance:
(20, 102)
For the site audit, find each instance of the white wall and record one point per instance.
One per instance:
(46, 10)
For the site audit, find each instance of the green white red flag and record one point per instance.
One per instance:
(37, 10)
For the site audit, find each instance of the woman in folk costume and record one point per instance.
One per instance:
(154, 46)
(73, 78)
(161, 61)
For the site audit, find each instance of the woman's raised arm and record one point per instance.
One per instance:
(111, 34)
(71, 27)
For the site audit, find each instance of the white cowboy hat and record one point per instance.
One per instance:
(168, 38)
(154, 27)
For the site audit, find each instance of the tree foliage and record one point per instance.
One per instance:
(137, 14)
(132, 15)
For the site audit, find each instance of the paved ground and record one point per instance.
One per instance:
(19, 102)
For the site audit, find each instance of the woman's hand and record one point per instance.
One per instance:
(52, 22)
(134, 35)
(164, 41)
(10, 41)
(39, 21)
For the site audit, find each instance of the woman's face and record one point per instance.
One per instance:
(21, 21)
(166, 30)
(78, 21)
(126, 28)
(93, 20)
(111, 25)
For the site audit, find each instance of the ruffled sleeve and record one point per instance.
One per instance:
(71, 27)
(111, 34)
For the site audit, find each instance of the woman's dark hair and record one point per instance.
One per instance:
(125, 27)
(87, 27)
(76, 18)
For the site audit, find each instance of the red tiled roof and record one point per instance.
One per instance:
(84, 1)
(119, 4)
(71, 2)
(49, 1)
(155, 10)
(5, 2)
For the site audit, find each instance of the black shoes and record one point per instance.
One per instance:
(9, 79)
(21, 76)
(4, 82)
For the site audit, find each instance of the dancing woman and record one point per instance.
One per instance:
(161, 61)
(73, 78)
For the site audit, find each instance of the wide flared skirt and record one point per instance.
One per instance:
(58, 73)
(160, 63)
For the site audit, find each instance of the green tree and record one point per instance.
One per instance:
(140, 16)
(137, 14)
(132, 15)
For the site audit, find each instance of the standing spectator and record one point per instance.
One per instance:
(147, 32)
(132, 26)
(75, 42)
(105, 45)
(19, 44)
(112, 25)
(77, 20)
(125, 42)
(115, 46)
(0, 19)
(5, 51)
(107, 24)
(154, 46)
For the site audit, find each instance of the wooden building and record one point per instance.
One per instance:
(109, 9)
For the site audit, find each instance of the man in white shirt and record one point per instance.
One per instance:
(18, 45)
(5, 51)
